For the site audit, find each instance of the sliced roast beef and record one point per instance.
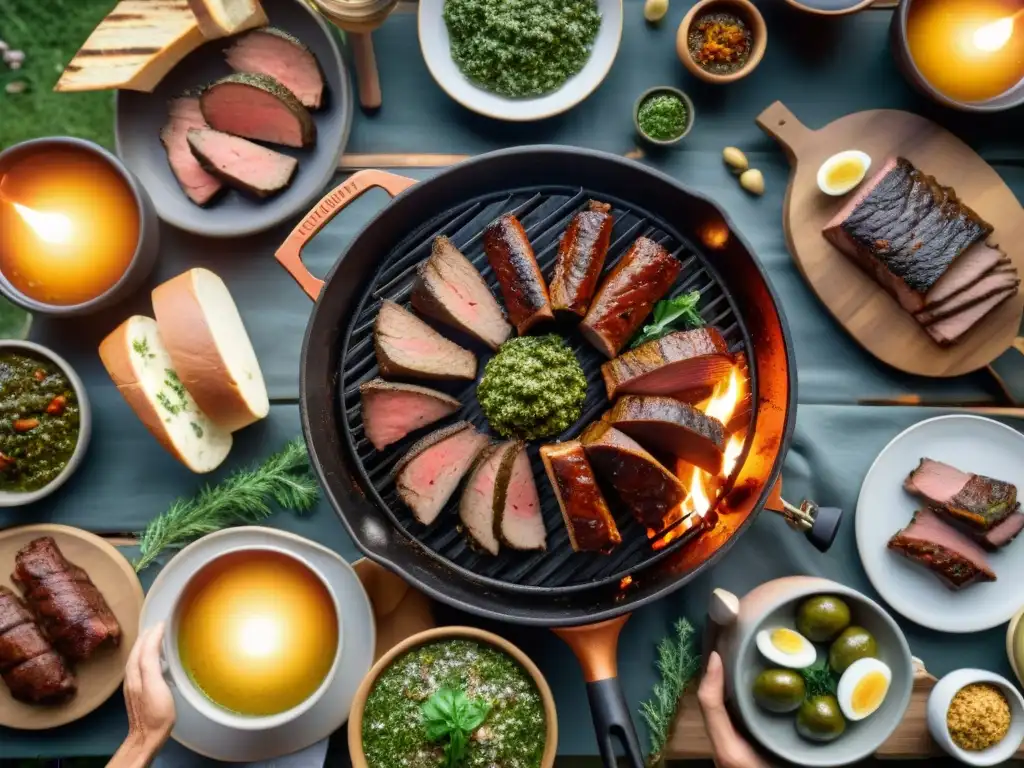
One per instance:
(951, 329)
(1001, 534)
(517, 515)
(985, 287)
(980, 502)
(956, 560)
(477, 506)
(450, 289)
(522, 284)
(581, 255)
(271, 51)
(674, 364)
(648, 489)
(976, 262)
(406, 346)
(641, 278)
(200, 186)
(587, 518)
(248, 167)
(669, 426)
(427, 476)
(391, 411)
(257, 107)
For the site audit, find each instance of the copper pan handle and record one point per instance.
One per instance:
(290, 252)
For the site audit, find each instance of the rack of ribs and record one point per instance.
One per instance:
(34, 672)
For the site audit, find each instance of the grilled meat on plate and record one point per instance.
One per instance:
(669, 426)
(406, 346)
(672, 365)
(246, 166)
(517, 516)
(956, 560)
(587, 517)
(581, 255)
(522, 284)
(978, 501)
(271, 51)
(391, 411)
(1001, 534)
(185, 115)
(477, 505)
(34, 672)
(257, 107)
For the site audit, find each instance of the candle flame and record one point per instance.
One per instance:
(50, 227)
(992, 37)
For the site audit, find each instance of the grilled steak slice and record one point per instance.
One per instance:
(477, 506)
(956, 560)
(580, 259)
(271, 51)
(69, 607)
(200, 186)
(518, 521)
(391, 411)
(667, 425)
(406, 346)
(1001, 534)
(985, 287)
(980, 502)
(450, 289)
(29, 666)
(587, 518)
(248, 167)
(648, 489)
(427, 476)
(643, 276)
(257, 107)
(976, 262)
(951, 329)
(522, 284)
(672, 365)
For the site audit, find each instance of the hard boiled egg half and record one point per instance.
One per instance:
(786, 647)
(842, 172)
(863, 688)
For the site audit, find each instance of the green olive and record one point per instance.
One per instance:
(853, 644)
(821, 618)
(779, 690)
(819, 719)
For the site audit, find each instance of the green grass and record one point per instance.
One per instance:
(50, 32)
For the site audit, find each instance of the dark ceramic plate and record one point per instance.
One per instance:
(140, 116)
(830, 7)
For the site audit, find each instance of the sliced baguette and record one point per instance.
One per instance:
(138, 362)
(210, 349)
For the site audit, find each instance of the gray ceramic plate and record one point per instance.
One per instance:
(140, 116)
(831, 7)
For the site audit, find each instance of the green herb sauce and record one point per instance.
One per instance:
(39, 422)
(662, 116)
(521, 48)
(512, 736)
(534, 387)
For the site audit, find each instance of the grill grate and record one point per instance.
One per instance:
(544, 213)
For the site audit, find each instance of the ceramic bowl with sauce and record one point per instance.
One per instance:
(77, 230)
(714, 10)
(663, 90)
(941, 697)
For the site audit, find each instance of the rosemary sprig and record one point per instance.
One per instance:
(241, 499)
(678, 662)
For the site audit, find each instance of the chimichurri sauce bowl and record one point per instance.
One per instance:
(495, 697)
(44, 422)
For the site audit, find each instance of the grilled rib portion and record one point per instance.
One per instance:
(672, 365)
(29, 666)
(587, 518)
(956, 560)
(406, 346)
(522, 284)
(581, 255)
(978, 501)
(672, 427)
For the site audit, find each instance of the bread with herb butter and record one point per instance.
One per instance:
(137, 360)
(210, 349)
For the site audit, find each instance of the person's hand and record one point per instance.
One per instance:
(730, 749)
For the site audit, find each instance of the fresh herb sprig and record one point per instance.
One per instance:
(819, 680)
(678, 662)
(242, 499)
(452, 715)
(671, 315)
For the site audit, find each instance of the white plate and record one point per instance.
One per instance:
(223, 743)
(972, 444)
(437, 54)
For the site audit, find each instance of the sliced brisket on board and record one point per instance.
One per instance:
(951, 329)
(477, 505)
(242, 164)
(672, 365)
(995, 282)
(391, 411)
(522, 284)
(978, 501)
(518, 521)
(34, 672)
(587, 518)
(449, 289)
(581, 254)
(956, 560)
(641, 278)
(670, 426)
(427, 476)
(407, 346)
(185, 115)
(271, 51)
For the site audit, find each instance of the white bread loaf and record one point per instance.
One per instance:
(137, 361)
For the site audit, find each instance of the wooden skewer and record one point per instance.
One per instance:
(357, 162)
(367, 76)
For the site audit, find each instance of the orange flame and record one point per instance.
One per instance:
(50, 227)
(625, 582)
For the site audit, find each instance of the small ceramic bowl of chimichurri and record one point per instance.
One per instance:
(453, 689)
(44, 422)
(663, 115)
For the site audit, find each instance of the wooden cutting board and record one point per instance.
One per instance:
(860, 305)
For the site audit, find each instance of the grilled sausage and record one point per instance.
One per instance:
(522, 285)
(581, 255)
(30, 667)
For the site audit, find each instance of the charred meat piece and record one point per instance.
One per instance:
(248, 167)
(450, 289)
(956, 560)
(257, 107)
(669, 426)
(271, 51)
(392, 411)
(406, 346)
(522, 284)
(185, 115)
(587, 517)
(580, 259)
(427, 476)
(951, 329)
(518, 521)
(978, 501)
(477, 505)
(680, 362)
(989, 285)
(35, 673)
(69, 607)
(648, 489)
(641, 278)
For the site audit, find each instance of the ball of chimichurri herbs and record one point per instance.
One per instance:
(663, 116)
(521, 48)
(534, 387)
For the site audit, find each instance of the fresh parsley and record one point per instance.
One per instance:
(452, 715)
(671, 315)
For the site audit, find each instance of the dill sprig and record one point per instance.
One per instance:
(678, 662)
(241, 499)
(819, 680)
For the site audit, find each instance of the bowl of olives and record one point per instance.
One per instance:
(820, 674)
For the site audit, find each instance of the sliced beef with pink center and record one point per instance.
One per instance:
(951, 329)
(185, 115)
(257, 107)
(271, 51)
(476, 507)
(391, 411)
(956, 561)
(406, 346)
(672, 365)
(518, 517)
(978, 501)
(248, 167)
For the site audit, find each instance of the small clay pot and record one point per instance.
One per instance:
(752, 17)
